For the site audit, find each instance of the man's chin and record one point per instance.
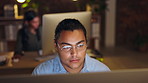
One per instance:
(75, 66)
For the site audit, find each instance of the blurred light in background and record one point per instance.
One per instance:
(21, 1)
(74, 0)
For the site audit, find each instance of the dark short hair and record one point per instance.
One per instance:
(30, 15)
(69, 25)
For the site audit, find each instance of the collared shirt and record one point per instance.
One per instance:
(54, 66)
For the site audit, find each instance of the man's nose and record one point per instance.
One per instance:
(74, 52)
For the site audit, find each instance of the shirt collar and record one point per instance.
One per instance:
(58, 66)
(85, 68)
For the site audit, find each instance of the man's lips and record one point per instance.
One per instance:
(74, 60)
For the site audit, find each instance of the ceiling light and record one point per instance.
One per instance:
(74, 0)
(21, 1)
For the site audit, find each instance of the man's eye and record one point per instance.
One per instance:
(80, 45)
(66, 47)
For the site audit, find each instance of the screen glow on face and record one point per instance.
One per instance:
(67, 48)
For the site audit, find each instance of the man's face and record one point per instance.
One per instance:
(72, 49)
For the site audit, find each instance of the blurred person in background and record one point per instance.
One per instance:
(29, 36)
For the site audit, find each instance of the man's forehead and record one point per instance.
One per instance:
(71, 37)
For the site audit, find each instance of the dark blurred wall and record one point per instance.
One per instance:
(132, 26)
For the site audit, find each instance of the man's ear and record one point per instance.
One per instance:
(55, 44)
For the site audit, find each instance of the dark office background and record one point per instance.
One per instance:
(131, 18)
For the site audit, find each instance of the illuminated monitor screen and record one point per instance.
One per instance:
(50, 21)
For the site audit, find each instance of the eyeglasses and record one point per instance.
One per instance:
(68, 48)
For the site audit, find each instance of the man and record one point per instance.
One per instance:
(71, 46)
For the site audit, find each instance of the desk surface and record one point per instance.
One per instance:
(26, 63)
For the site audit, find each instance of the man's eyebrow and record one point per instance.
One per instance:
(80, 41)
(65, 43)
(76, 43)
